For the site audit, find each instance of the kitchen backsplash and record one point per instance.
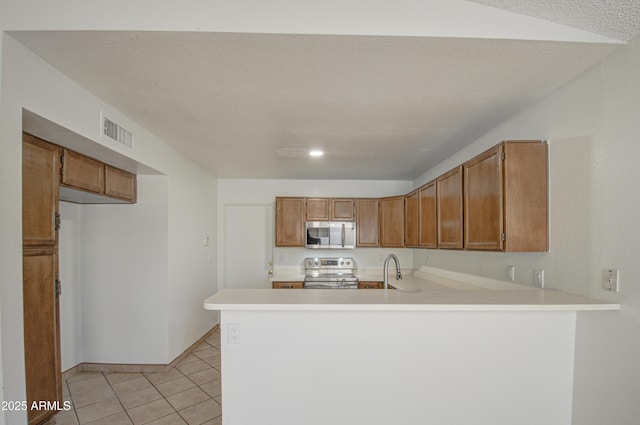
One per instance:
(290, 260)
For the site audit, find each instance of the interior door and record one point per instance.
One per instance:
(248, 250)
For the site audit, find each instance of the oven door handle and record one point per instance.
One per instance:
(318, 286)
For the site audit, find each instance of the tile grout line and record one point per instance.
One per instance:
(126, 411)
(119, 401)
(200, 388)
(75, 411)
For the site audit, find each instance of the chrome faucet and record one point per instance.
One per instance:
(386, 269)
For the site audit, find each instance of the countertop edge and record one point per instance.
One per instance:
(412, 307)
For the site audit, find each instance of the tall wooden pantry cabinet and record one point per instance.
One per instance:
(40, 223)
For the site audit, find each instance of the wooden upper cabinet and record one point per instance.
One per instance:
(290, 221)
(85, 180)
(449, 192)
(342, 209)
(367, 222)
(330, 209)
(40, 175)
(82, 172)
(392, 222)
(318, 209)
(412, 220)
(506, 191)
(120, 184)
(428, 216)
(483, 220)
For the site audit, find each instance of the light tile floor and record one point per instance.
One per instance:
(188, 394)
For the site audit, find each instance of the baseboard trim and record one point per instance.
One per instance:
(125, 367)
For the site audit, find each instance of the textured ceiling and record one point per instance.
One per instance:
(249, 105)
(619, 19)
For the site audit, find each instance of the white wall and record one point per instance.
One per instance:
(70, 263)
(593, 128)
(192, 266)
(124, 278)
(187, 196)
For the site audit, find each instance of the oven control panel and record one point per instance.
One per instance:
(329, 263)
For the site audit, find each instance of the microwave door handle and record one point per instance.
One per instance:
(343, 235)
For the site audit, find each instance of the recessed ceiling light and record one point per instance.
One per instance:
(316, 152)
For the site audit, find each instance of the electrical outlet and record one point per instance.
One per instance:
(611, 280)
(511, 273)
(538, 278)
(233, 333)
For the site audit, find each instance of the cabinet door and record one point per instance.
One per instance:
(392, 222)
(370, 285)
(82, 172)
(450, 211)
(40, 175)
(483, 197)
(412, 223)
(526, 196)
(367, 222)
(41, 331)
(120, 184)
(290, 222)
(287, 285)
(342, 209)
(318, 209)
(428, 216)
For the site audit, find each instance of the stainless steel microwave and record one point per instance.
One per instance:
(331, 234)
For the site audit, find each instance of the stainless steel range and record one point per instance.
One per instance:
(330, 273)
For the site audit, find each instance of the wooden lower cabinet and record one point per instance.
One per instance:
(287, 285)
(370, 285)
(41, 332)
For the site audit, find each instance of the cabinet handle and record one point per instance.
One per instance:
(57, 221)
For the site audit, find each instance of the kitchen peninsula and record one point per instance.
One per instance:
(443, 348)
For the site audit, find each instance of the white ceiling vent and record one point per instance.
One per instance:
(117, 132)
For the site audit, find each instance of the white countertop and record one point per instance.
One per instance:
(428, 289)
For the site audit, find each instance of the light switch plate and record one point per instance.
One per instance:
(511, 273)
(538, 278)
(611, 280)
